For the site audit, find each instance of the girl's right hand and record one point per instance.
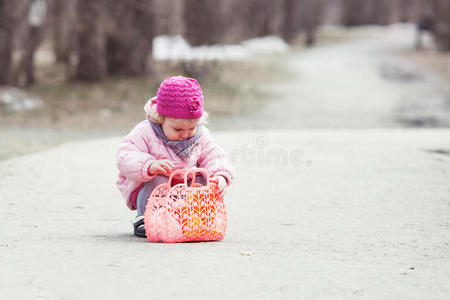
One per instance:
(162, 166)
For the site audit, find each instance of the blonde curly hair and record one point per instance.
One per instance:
(156, 117)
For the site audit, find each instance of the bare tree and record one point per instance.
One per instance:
(35, 26)
(402, 7)
(215, 21)
(168, 17)
(442, 28)
(301, 15)
(8, 11)
(114, 37)
(263, 17)
(129, 37)
(292, 19)
(90, 40)
(356, 12)
(310, 19)
(242, 20)
(203, 22)
(63, 29)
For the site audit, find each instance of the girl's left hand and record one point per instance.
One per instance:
(221, 184)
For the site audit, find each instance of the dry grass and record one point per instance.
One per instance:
(78, 110)
(116, 104)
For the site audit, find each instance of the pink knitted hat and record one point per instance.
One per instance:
(180, 97)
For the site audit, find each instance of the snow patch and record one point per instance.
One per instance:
(15, 100)
(176, 48)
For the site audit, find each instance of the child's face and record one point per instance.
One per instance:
(179, 129)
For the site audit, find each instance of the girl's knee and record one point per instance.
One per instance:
(161, 179)
(200, 179)
(157, 180)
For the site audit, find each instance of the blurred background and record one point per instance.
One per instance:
(82, 69)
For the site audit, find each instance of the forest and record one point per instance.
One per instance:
(97, 39)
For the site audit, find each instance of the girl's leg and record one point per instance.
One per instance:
(146, 191)
(200, 179)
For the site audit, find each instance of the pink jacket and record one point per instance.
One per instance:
(141, 147)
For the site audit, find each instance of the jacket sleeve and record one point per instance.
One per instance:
(214, 159)
(133, 159)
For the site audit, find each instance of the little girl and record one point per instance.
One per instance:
(173, 137)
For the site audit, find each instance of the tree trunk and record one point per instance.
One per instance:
(33, 41)
(403, 11)
(292, 15)
(203, 21)
(7, 26)
(90, 40)
(442, 29)
(63, 29)
(129, 39)
(354, 12)
(36, 21)
(311, 19)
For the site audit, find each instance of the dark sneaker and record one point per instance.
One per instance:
(139, 228)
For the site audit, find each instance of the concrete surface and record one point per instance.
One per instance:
(349, 214)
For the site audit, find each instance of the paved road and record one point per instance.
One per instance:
(360, 83)
(312, 214)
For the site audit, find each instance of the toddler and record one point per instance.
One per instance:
(173, 137)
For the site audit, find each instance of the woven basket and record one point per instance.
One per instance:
(185, 212)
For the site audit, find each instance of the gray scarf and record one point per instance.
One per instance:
(181, 148)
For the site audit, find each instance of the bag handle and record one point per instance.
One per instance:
(194, 171)
(179, 171)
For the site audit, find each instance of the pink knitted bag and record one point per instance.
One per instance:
(183, 213)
